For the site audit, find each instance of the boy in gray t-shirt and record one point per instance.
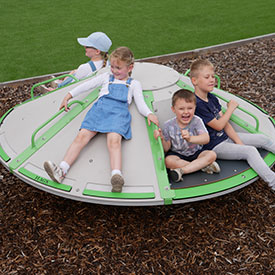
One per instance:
(182, 139)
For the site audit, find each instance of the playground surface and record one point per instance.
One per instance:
(232, 234)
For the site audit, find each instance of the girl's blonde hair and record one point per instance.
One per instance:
(105, 57)
(124, 54)
(197, 65)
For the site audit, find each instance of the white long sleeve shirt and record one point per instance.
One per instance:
(85, 70)
(135, 90)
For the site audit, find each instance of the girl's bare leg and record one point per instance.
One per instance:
(81, 140)
(204, 159)
(114, 147)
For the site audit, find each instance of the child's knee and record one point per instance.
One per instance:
(170, 161)
(82, 138)
(213, 155)
(251, 151)
(114, 142)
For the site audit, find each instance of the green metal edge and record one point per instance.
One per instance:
(166, 193)
(221, 185)
(94, 193)
(3, 155)
(272, 119)
(183, 85)
(5, 114)
(45, 181)
(29, 151)
(243, 124)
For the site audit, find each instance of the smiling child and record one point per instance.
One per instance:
(182, 139)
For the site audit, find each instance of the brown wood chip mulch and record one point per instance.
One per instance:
(233, 234)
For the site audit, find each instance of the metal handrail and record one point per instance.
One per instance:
(51, 119)
(155, 127)
(50, 80)
(243, 110)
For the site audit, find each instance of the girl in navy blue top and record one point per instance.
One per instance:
(224, 140)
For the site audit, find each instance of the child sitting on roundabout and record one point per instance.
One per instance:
(224, 140)
(109, 115)
(96, 46)
(182, 138)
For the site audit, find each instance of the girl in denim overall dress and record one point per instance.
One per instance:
(108, 115)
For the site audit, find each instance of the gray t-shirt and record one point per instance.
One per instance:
(172, 131)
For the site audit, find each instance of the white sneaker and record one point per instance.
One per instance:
(54, 171)
(212, 168)
(54, 83)
(175, 174)
(117, 182)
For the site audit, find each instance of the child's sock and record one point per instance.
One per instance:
(64, 166)
(116, 171)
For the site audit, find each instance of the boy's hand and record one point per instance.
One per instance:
(152, 118)
(232, 104)
(185, 135)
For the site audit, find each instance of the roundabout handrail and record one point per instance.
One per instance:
(50, 80)
(51, 119)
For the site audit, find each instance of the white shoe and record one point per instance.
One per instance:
(54, 83)
(175, 174)
(212, 168)
(43, 89)
(54, 171)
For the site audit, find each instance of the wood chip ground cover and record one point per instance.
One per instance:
(233, 234)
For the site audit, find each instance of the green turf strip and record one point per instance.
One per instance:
(39, 37)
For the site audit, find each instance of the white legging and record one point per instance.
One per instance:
(229, 150)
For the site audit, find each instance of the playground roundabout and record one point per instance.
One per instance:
(42, 233)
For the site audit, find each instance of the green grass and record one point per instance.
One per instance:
(39, 36)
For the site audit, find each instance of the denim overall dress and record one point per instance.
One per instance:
(70, 79)
(110, 113)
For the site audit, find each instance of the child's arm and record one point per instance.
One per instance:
(140, 103)
(199, 139)
(88, 85)
(229, 130)
(166, 144)
(220, 124)
(65, 101)
(152, 118)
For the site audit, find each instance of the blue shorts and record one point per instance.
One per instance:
(187, 158)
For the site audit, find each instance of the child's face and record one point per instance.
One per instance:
(205, 80)
(184, 111)
(120, 69)
(92, 52)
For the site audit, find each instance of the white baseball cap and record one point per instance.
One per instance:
(98, 40)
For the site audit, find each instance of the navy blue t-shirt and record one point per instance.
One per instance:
(208, 111)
